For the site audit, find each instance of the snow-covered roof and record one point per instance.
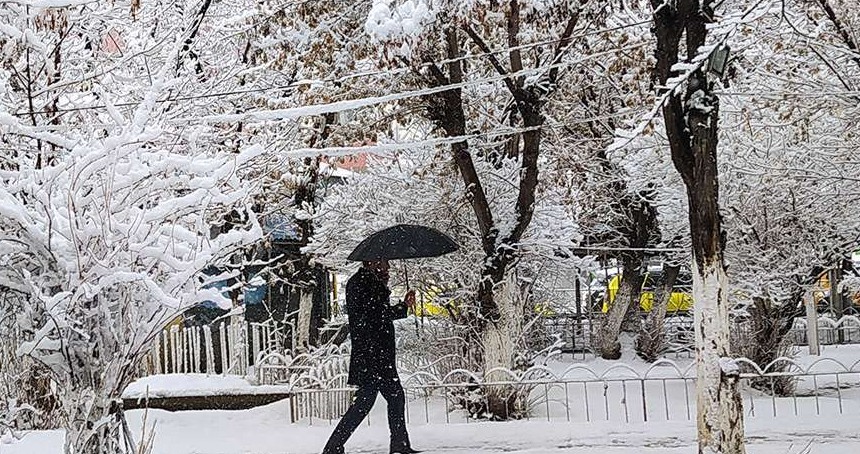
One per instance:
(281, 227)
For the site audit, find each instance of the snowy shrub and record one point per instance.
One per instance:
(106, 246)
(28, 399)
(761, 336)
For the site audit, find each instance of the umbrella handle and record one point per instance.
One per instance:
(406, 273)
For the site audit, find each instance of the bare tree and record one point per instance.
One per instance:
(498, 319)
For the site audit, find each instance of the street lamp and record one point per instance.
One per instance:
(719, 60)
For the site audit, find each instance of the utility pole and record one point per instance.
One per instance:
(836, 301)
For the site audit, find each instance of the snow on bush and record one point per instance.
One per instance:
(107, 244)
(387, 21)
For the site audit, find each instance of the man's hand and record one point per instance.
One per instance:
(409, 300)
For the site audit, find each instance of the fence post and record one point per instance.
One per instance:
(154, 356)
(195, 334)
(255, 342)
(210, 349)
(174, 348)
(222, 340)
(165, 351)
(811, 324)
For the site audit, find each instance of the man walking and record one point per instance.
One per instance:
(372, 366)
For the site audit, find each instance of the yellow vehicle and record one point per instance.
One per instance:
(678, 301)
(821, 291)
(436, 302)
(432, 302)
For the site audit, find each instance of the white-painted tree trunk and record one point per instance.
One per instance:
(303, 326)
(500, 347)
(718, 400)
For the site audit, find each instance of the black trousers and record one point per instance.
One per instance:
(363, 401)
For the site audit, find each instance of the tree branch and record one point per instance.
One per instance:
(514, 41)
(513, 87)
(840, 29)
(447, 112)
(195, 27)
(563, 44)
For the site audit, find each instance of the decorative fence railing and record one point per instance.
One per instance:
(663, 392)
(577, 333)
(844, 330)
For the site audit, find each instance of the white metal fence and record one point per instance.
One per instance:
(663, 392)
(844, 330)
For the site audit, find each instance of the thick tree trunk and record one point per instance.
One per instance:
(500, 345)
(309, 318)
(719, 405)
(623, 315)
(303, 322)
(608, 345)
(651, 338)
(496, 322)
(632, 287)
(691, 120)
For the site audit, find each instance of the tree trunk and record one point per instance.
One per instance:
(303, 322)
(496, 323)
(637, 227)
(500, 343)
(308, 319)
(631, 286)
(651, 338)
(719, 405)
(691, 119)
(608, 345)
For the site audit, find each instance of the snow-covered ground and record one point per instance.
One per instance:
(172, 385)
(265, 430)
(829, 423)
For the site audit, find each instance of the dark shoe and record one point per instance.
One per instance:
(406, 450)
(338, 450)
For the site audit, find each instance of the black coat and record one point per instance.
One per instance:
(371, 328)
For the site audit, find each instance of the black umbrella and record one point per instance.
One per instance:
(403, 241)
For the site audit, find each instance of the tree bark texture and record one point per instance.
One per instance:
(492, 323)
(651, 338)
(691, 119)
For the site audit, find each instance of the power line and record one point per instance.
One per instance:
(342, 79)
(178, 98)
(351, 104)
(628, 249)
(383, 149)
(786, 94)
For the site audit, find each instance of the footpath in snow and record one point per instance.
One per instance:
(804, 424)
(265, 430)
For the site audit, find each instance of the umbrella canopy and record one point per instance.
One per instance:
(403, 241)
